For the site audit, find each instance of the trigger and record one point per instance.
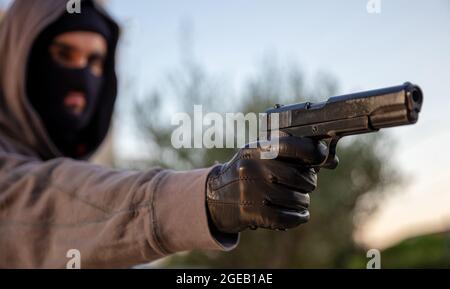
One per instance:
(332, 160)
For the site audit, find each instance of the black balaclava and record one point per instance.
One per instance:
(49, 82)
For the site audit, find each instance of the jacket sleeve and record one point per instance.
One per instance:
(113, 218)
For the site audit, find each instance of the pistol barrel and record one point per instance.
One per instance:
(352, 114)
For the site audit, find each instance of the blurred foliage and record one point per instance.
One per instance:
(364, 171)
(424, 252)
(432, 251)
(185, 88)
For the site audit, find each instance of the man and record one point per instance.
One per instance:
(58, 87)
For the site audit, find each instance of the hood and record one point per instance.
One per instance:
(19, 29)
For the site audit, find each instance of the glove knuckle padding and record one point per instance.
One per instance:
(248, 167)
(279, 219)
(288, 199)
(309, 178)
(292, 176)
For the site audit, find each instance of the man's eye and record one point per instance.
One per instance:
(97, 68)
(96, 59)
(96, 62)
(63, 56)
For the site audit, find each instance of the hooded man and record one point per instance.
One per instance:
(57, 92)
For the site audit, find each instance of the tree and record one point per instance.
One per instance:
(327, 241)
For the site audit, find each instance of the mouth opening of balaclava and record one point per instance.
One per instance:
(49, 82)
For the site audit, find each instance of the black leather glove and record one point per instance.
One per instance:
(250, 192)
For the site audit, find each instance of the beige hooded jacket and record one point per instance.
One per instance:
(50, 204)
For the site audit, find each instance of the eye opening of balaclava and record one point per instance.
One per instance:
(49, 82)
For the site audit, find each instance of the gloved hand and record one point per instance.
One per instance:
(250, 192)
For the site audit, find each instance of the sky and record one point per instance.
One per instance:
(409, 40)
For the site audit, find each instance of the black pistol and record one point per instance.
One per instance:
(352, 114)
